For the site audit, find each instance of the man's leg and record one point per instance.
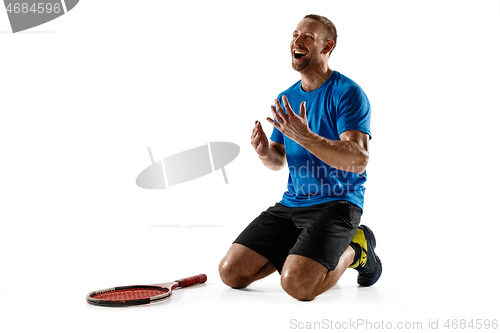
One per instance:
(242, 266)
(304, 278)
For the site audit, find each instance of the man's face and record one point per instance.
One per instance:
(307, 44)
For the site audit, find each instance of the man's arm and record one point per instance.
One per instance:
(271, 154)
(349, 154)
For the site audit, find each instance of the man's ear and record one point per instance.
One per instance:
(329, 45)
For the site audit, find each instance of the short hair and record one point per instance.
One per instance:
(331, 31)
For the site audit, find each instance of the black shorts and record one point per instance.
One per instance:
(321, 232)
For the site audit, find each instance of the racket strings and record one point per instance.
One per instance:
(129, 294)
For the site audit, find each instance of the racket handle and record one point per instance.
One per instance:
(186, 282)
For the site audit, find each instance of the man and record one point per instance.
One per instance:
(321, 130)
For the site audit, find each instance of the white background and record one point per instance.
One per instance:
(83, 96)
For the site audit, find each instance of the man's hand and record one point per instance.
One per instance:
(271, 154)
(290, 124)
(348, 154)
(259, 140)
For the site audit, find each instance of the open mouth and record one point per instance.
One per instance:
(298, 54)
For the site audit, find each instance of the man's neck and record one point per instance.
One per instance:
(312, 80)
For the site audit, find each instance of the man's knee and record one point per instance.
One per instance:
(230, 275)
(298, 288)
(241, 266)
(303, 278)
(238, 266)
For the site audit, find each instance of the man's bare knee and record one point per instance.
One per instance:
(241, 266)
(304, 278)
(297, 288)
(230, 276)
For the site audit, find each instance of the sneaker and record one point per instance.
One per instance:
(368, 265)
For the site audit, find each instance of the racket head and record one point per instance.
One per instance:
(131, 295)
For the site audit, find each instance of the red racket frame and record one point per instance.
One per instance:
(166, 287)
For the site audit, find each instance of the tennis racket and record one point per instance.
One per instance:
(140, 295)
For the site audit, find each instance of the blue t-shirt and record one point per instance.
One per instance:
(338, 105)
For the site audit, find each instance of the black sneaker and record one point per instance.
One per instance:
(368, 265)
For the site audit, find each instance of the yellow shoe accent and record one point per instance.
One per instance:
(359, 238)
